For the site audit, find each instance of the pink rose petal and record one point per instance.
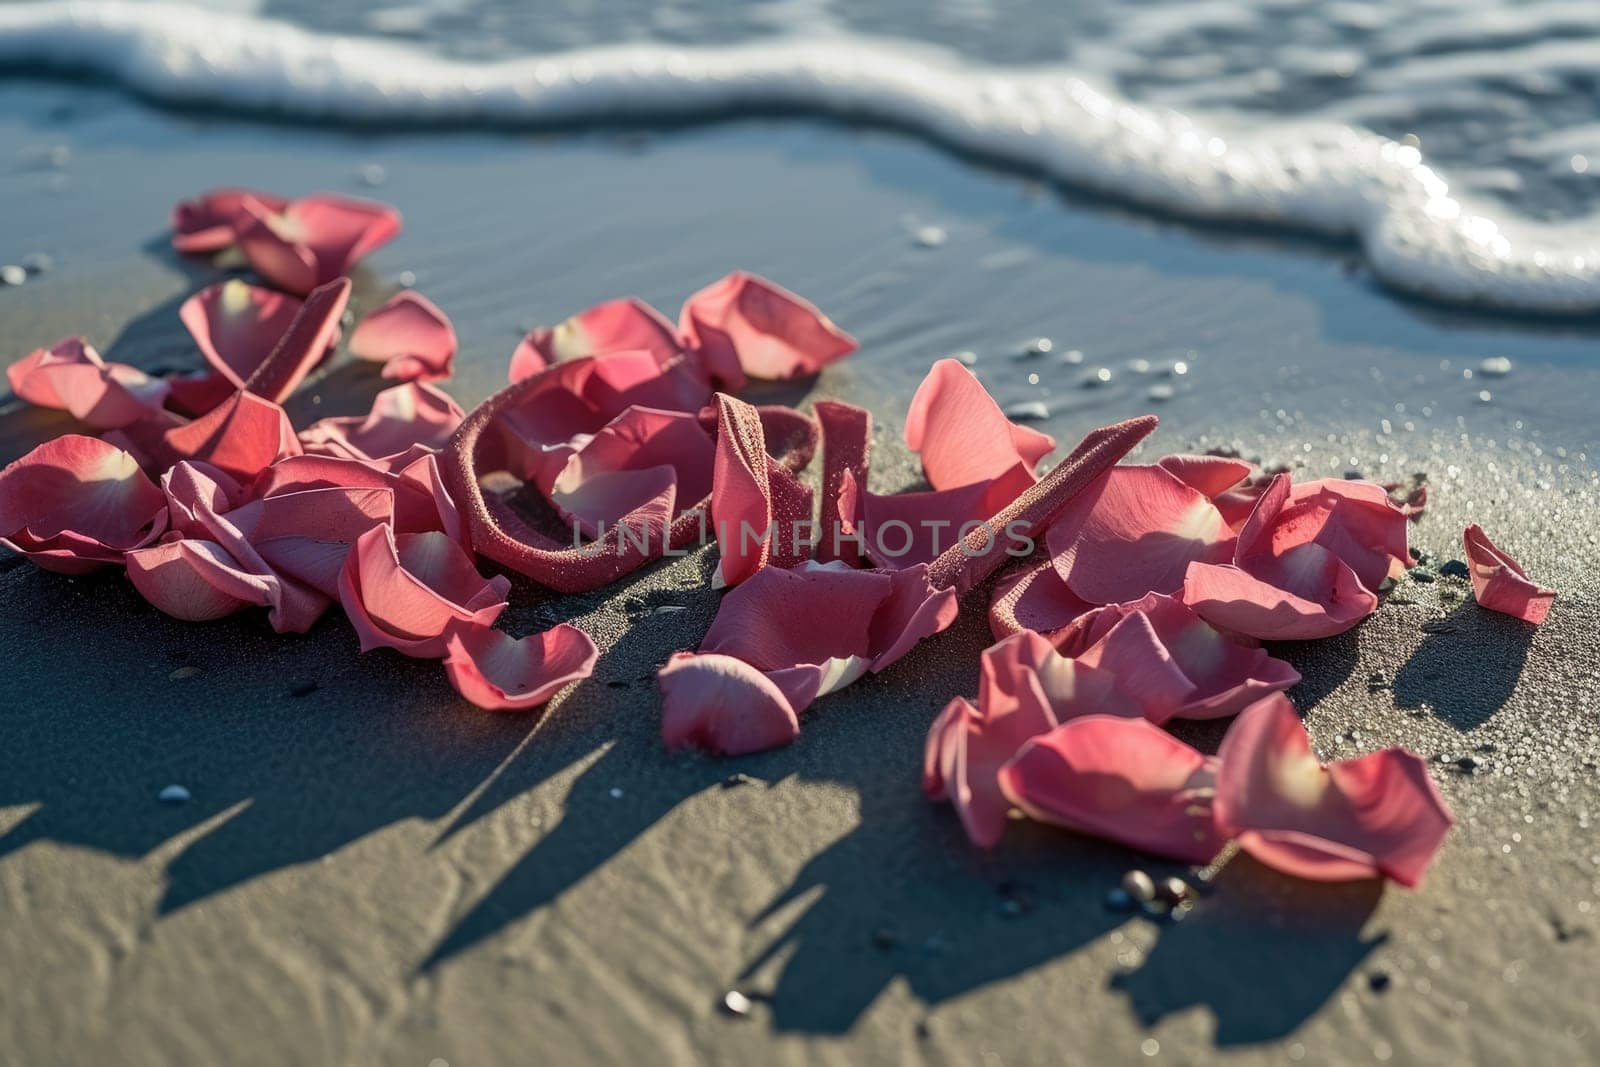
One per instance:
(196, 580)
(1126, 780)
(500, 673)
(962, 435)
(311, 333)
(70, 376)
(722, 705)
(313, 240)
(411, 337)
(1379, 814)
(1499, 582)
(77, 503)
(630, 461)
(412, 592)
(1133, 533)
(237, 326)
(625, 325)
(210, 222)
(1033, 597)
(744, 325)
(846, 439)
(402, 417)
(741, 493)
(1210, 476)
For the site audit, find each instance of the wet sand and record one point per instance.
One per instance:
(371, 871)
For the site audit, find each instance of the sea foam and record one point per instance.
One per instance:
(1417, 234)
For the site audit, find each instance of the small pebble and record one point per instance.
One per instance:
(1028, 411)
(733, 781)
(373, 175)
(1468, 764)
(1039, 346)
(1072, 357)
(1139, 886)
(735, 1003)
(1454, 569)
(1139, 366)
(183, 672)
(1159, 392)
(1421, 574)
(408, 278)
(1118, 900)
(1098, 377)
(616, 792)
(931, 236)
(173, 794)
(1378, 981)
(1485, 397)
(1173, 890)
(11, 274)
(966, 357)
(1180, 911)
(1495, 367)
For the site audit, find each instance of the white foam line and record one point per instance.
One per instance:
(1328, 178)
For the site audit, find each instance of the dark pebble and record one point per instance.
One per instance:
(1173, 890)
(1455, 569)
(733, 781)
(1422, 574)
(1468, 763)
(617, 684)
(884, 940)
(1378, 981)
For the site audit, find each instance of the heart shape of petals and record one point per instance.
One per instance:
(1376, 815)
(402, 417)
(413, 592)
(77, 503)
(498, 672)
(744, 326)
(70, 376)
(1500, 584)
(1136, 532)
(1220, 675)
(962, 435)
(1125, 780)
(237, 325)
(1284, 585)
(625, 325)
(1025, 689)
(412, 338)
(211, 221)
(313, 240)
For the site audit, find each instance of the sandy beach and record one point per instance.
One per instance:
(372, 871)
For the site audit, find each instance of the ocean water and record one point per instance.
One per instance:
(1452, 143)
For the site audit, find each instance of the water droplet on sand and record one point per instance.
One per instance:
(173, 794)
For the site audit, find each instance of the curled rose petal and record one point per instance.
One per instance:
(77, 503)
(313, 240)
(412, 592)
(755, 503)
(194, 395)
(196, 580)
(242, 436)
(744, 325)
(1136, 531)
(237, 325)
(210, 222)
(402, 416)
(962, 435)
(1221, 675)
(1026, 689)
(1378, 814)
(1210, 476)
(305, 344)
(625, 325)
(1126, 780)
(411, 337)
(500, 673)
(1499, 582)
(1033, 597)
(722, 704)
(420, 500)
(630, 461)
(1283, 584)
(70, 376)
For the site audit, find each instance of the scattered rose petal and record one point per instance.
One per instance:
(500, 673)
(77, 503)
(1126, 780)
(303, 345)
(962, 435)
(761, 512)
(744, 325)
(1033, 597)
(411, 337)
(313, 240)
(402, 416)
(243, 436)
(631, 461)
(70, 376)
(197, 580)
(626, 325)
(1379, 814)
(1499, 582)
(846, 439)
(237, 326)
(1136, 531)
(723, 705)
(211, 222)
(1210, 476)
(412, 592)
